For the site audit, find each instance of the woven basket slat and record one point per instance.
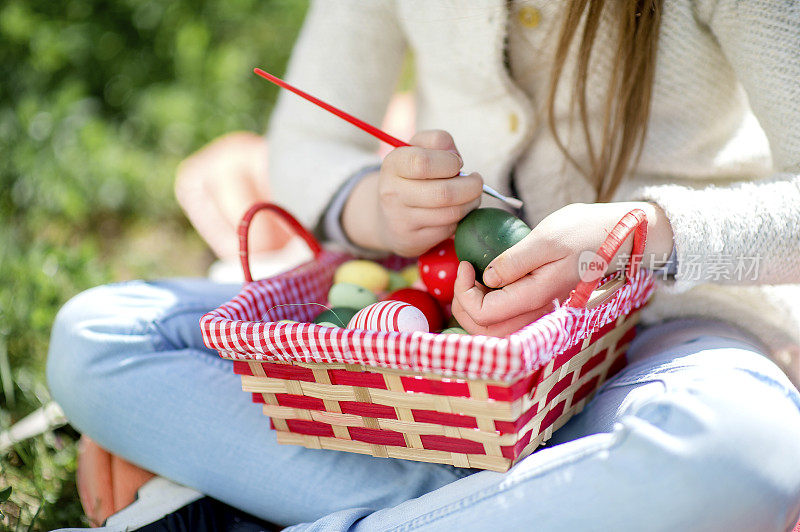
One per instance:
(269, 398)
(562, 419)
(491, 463)
(567, 395)
(382, 373)
(280, 424)
(346, 420)
(321, 375)
(496, 411)
(257, 369)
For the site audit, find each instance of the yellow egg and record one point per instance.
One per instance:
(410, 274)
(368, 274)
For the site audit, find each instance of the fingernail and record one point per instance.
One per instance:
(490, 277)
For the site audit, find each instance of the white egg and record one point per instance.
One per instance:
(390, 316)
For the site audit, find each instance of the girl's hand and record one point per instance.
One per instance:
(544, 266)
(419, 197)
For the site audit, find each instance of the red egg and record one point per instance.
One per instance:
(424, 302)
(438, 268)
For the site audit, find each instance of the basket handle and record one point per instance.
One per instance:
(636, 220)
(244, 229)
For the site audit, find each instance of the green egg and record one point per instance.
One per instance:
(337, 316)
(484, 234)
(396, 281)
(454, 330)
(328, 324)
(351, 296)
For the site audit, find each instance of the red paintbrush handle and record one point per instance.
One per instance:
(369, 128)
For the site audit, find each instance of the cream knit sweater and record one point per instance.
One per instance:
(722, 154)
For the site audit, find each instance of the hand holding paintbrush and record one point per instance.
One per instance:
(372, 130)
(417, 198)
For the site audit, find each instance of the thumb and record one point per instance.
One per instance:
(517, 261)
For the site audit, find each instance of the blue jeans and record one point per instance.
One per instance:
(699, 432)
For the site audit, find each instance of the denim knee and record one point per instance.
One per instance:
(731, 436)
(76, 347)
(104, 330)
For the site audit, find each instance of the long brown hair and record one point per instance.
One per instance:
(627, 104)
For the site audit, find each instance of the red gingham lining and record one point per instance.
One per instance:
(237, 331)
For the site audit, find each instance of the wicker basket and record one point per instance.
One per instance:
(468, 401)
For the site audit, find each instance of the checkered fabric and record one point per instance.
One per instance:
(245, 328)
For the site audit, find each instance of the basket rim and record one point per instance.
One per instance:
(533, 345)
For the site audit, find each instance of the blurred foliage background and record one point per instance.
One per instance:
(99, 101)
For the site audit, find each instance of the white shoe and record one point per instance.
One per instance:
(157, 498)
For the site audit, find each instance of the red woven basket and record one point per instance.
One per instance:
(469, 401)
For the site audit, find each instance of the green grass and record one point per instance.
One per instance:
(100, 100)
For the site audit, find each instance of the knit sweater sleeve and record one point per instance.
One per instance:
(751, 228)
(349, 53)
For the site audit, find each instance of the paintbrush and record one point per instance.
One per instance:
(372, 130)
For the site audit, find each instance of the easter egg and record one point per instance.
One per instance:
(390, 316)
(350, 295)
(410, 274)
(337, 316)
(454, 330)
(424, 302)
(438, 268)
(484, 234)
(396, 281)
(366, 273)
